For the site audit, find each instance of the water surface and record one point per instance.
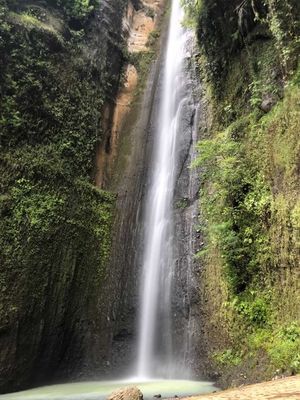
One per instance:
(100, 390)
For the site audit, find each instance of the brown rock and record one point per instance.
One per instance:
(127, 393)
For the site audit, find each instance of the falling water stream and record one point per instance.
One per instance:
(155, 327)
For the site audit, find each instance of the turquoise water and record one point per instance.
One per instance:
(99, 390)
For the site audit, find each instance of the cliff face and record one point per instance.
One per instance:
(128, 168)
(73, 140)
(249, 198)
(133, 183)
(59, 66)
(70, 137)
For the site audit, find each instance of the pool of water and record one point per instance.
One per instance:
(99, 390)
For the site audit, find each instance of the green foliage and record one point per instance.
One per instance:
(142, 61)
(153, 36)
(290, 332)
(225, 31)
(50, 124)
(77, 8)
(182, 203)
(34, 212)
(283, 20)
(227, 358)
(55, 226)
(236, 202)
(37, 210)
(27, 19)
(282, 345)
(34, 111)
(192, 9)
(249, 163)
(254, 311)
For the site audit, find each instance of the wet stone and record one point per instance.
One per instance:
(127, 393)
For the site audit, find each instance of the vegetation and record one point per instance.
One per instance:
(48, 132)
(153, 36)
(227, 358)
(55, 225)
(249, 163)
(77, 8)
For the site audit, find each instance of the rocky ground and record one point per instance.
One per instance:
(281, 389)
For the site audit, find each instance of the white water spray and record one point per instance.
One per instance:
(155, 343)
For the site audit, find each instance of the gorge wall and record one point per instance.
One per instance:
(73, 137)
(60, 66)
(78, 95)
(249, 197)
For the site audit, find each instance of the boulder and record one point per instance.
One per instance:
(268, 103)
(127, 393)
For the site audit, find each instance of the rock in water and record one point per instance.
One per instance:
(127, 393)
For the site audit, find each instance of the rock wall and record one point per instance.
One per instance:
(67, 85)
(249, 198)
(129, 168)
(79, 95)
(187, 239)
(59, 66)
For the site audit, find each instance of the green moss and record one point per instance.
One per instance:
(192, 8)
(227, 358)
(249, 161)
(182, 203)
(282, 345)
(142, 61)
(153, 36)
(55, 225)
(26, 19)
(48, 132)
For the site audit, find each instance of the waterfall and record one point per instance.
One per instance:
(155, 328)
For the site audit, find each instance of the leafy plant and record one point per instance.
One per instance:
(228, 358)
(254, 312)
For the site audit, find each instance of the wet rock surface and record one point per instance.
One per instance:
(129, 180)
(127, 393)
(129, 232)
(53, 318)
(268, 103)
(185, 300)
(131, 184)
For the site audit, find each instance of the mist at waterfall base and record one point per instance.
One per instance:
(158, 369)
(101, 390)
